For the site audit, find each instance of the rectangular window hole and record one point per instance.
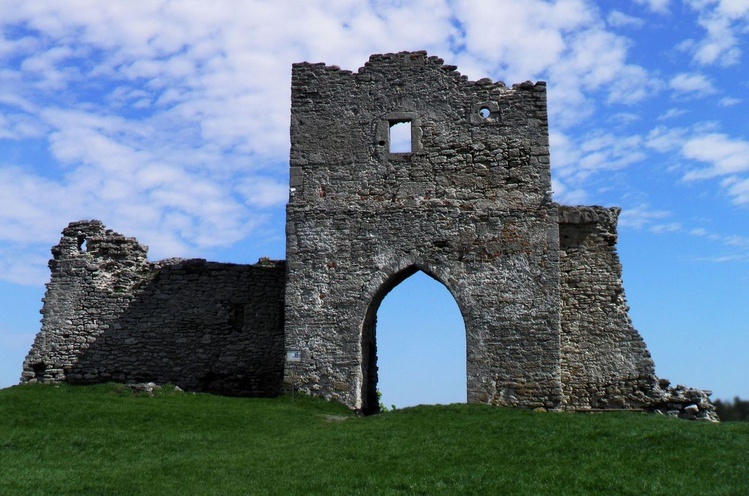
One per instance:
(400, 137)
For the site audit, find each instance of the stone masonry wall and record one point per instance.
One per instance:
(109, 314)
(469, 205)
(605, 363)
(467, 201)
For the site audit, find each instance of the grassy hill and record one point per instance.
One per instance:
(102, 440)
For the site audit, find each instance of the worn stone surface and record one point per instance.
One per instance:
(470, 205)
(110, 315)
(605, 363)
(467, 201)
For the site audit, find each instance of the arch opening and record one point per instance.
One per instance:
(414, 344)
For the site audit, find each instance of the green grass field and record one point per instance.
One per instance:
(99, 440)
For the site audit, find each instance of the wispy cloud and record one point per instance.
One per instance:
(726, 156)
(693, 84)
(620, 19)
(642, 216)
(722, 20)
(735, 248)
(566, 195)
(669, 227)
(664, 139)
(738, 246)
(672, 113)
(659, 6)
(729, 101)
(576, 159)
(738, 189)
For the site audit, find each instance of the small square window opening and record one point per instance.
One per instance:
(400, 137)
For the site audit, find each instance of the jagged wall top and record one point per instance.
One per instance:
(379, 63)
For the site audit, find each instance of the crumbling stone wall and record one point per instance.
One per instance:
(467, 201)
(605, 363)
(469, 205)
(110, 315)
(94, 273)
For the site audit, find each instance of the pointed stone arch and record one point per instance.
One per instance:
(384, 284)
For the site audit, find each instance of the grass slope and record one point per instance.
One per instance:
(101, 440)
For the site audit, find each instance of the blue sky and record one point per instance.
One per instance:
(169, 122)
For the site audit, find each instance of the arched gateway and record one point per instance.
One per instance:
(419, 342)
(469, 204)
(369, 337)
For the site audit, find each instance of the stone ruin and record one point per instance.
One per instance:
(465, 197)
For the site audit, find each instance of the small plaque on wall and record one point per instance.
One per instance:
(294, 356)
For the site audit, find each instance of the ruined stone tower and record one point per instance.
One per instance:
(468, 201)
(465, 198)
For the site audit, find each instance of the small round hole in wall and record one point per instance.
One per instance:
(381, 143)
(485, 112)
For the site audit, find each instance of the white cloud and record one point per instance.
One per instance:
(28, 266)
(625, 118)
(18, 126)
(731, 241)
(726, 239)
(691, 83)
(264, 192)
(633, 84)
(671, 113)
(670, 227)
(641, 216)
(664, 139)
(565, 41)
(738, 189)
(724, 258)
(169, 195)
(576, 162)
(723, 21)
(567, 196)
(660, 6)
(729, 101)
(725, 155)
(502, 41)
(31, 207)
(565, 153)
(608, 151)
(620, 19)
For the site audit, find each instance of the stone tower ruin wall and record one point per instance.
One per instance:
(470, 205)
(110, 315)
(538, 284)
(605, 363)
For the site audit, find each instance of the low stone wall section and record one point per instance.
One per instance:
(110, 315)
